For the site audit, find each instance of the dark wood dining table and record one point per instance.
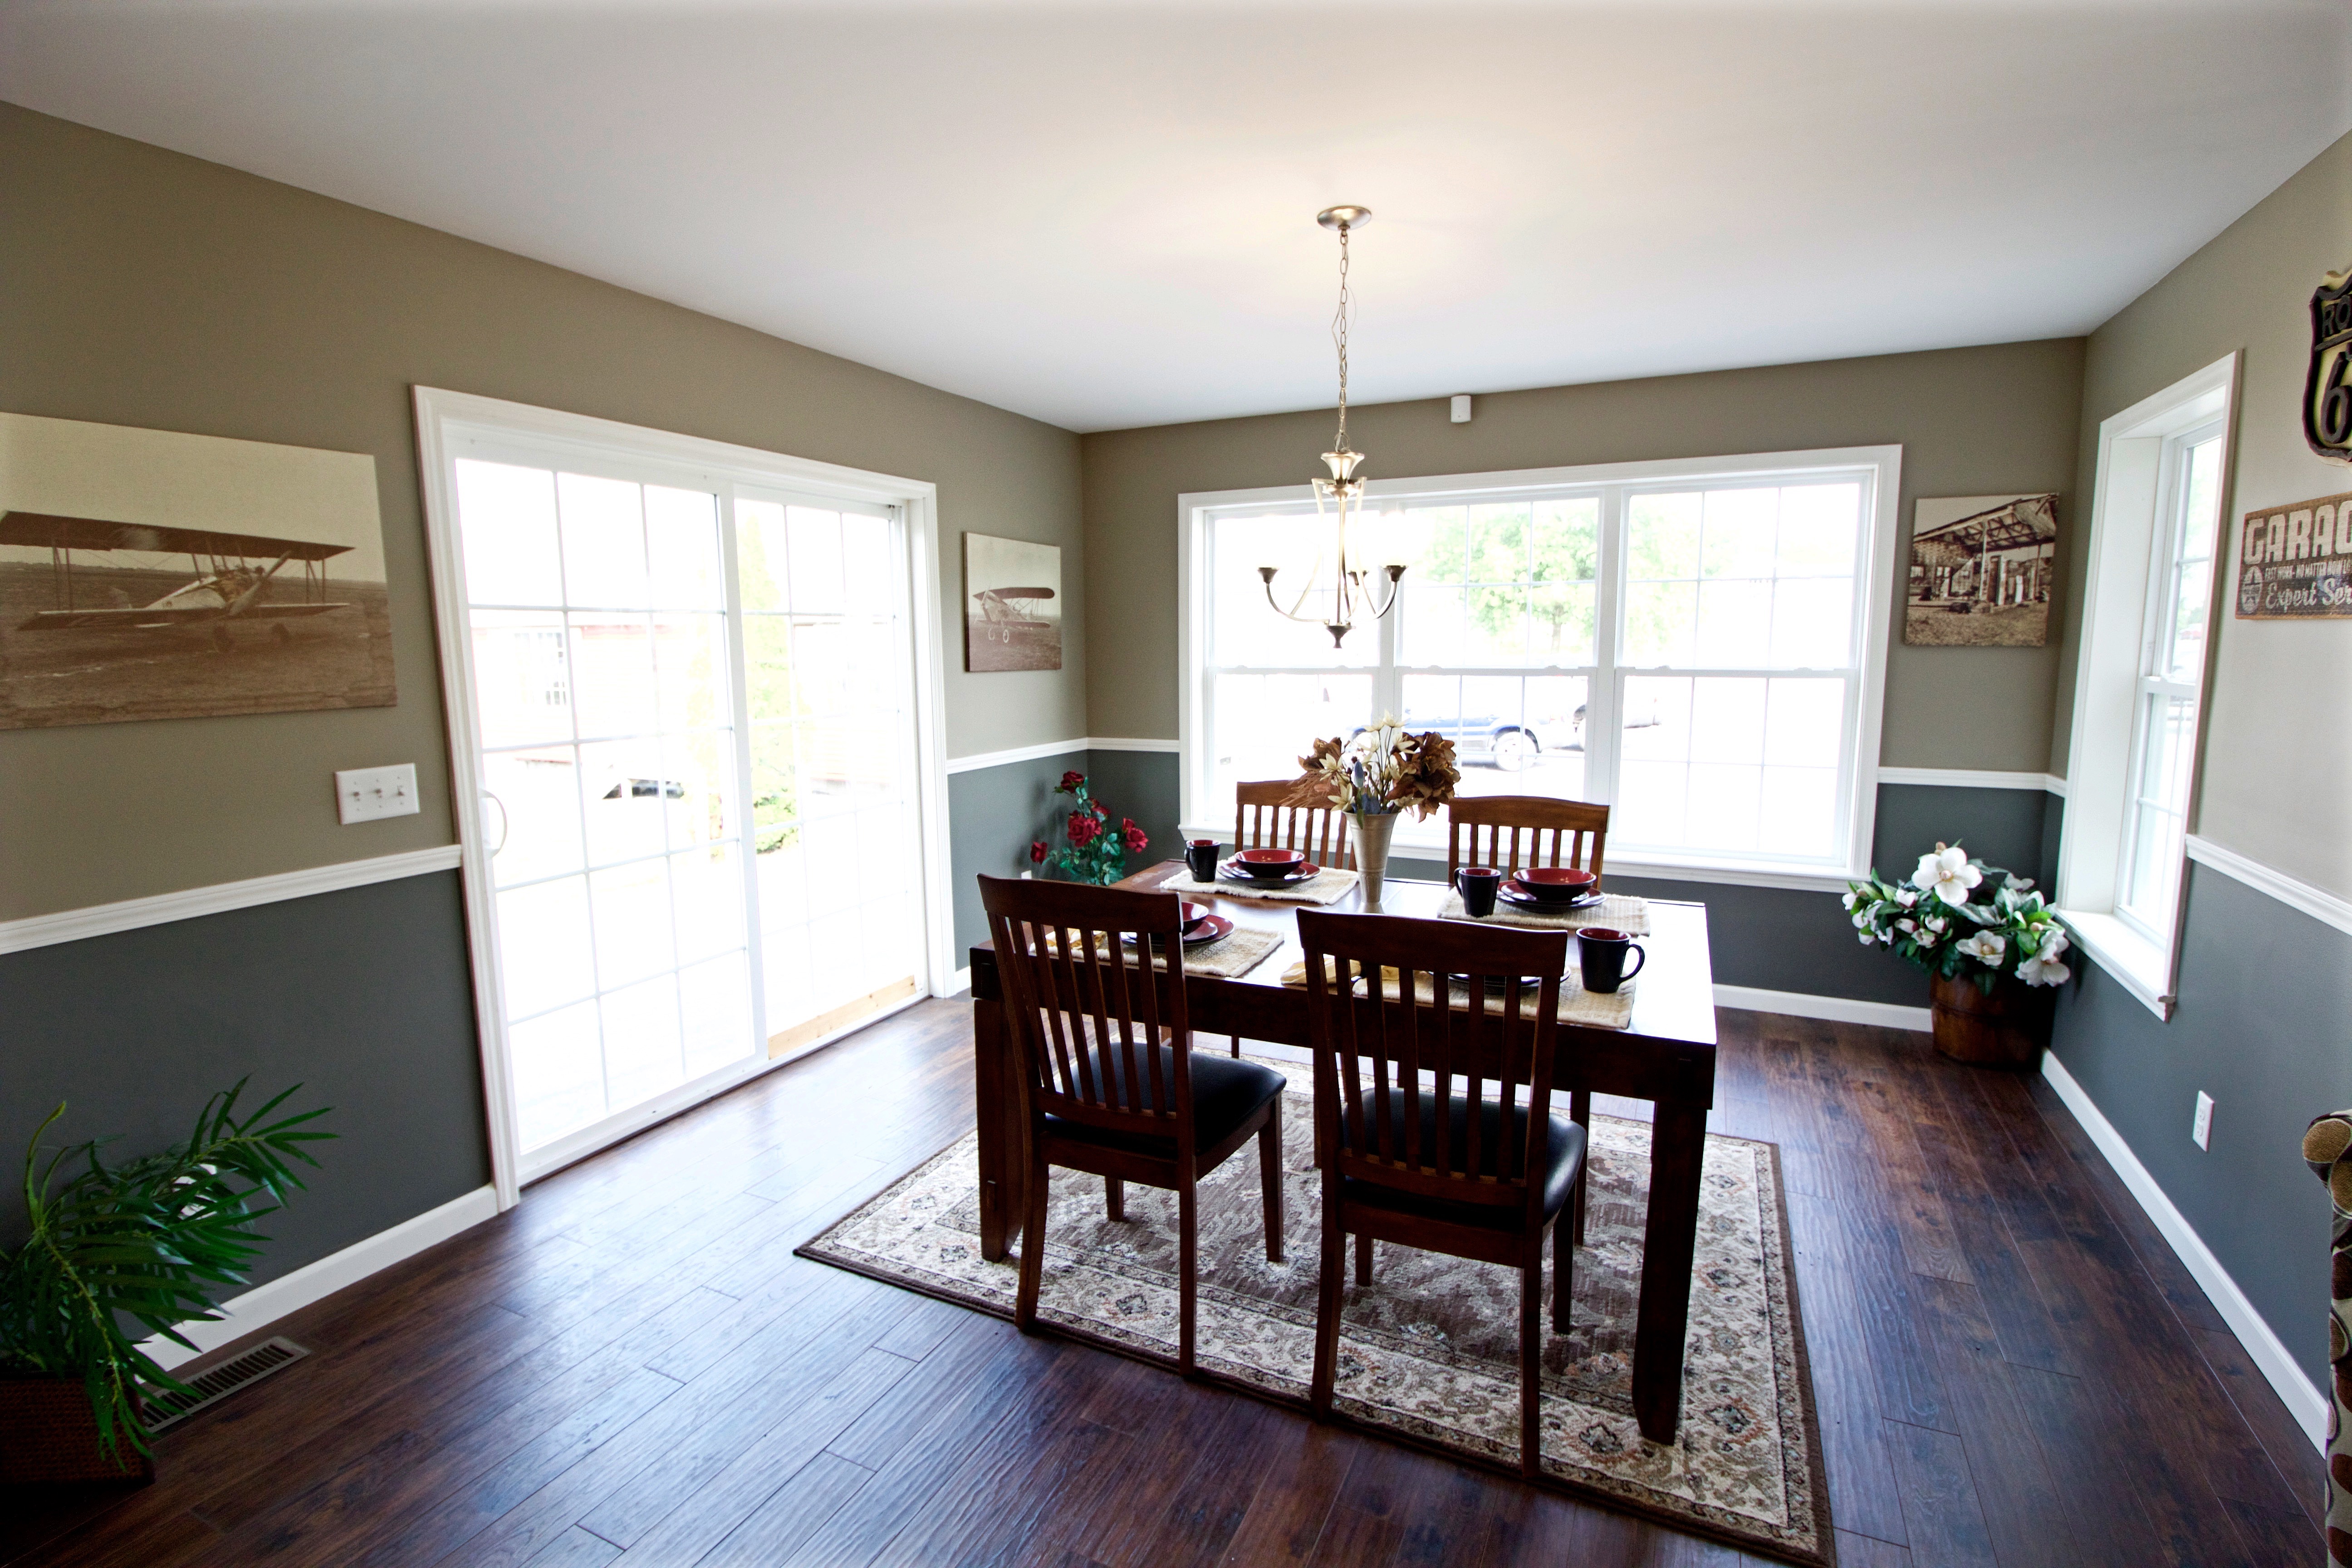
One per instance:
(1666, 1057)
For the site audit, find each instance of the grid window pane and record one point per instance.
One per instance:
(532, 817)
(1264, 723)
(604, 542)
(1724, 593)
(507, 516)
(522, 677)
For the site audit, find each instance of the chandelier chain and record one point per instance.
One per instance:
(1339, 334)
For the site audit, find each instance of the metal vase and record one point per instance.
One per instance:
(1372, 831)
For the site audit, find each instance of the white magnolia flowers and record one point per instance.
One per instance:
(1946, 874)
(1962, 919)
(2042, 967)
(1985, 947)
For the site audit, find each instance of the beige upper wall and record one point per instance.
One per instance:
(1971, 422)
(2278, 747)
(141, 287)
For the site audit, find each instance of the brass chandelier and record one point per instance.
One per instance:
(1340, 499)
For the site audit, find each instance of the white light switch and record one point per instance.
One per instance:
(362, 795)
(2201, 1129)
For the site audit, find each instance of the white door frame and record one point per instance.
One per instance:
(443, 417)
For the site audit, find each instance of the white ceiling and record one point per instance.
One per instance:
(1101, 214)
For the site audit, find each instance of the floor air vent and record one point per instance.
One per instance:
(218, 1382)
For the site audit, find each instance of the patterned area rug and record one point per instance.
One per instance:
(1430, 1350)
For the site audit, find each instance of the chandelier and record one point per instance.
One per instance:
(1340, 499)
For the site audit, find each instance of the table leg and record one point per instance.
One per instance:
(1678, 1146)
(1004, 1177)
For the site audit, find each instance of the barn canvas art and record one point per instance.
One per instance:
(1013, 603)
(1980, 570)
(152, 575)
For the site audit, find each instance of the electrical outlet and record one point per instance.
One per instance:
(2201, 1129)
(362, 795)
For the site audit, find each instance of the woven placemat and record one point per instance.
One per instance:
(1619, 911)
(1224, 958)
(1577, 1006)
(1326, 887)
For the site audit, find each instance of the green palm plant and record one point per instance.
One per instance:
(151, 1241)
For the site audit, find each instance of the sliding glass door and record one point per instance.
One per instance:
(694, 747)
(834, 828)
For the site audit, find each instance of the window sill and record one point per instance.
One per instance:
(2137, 964)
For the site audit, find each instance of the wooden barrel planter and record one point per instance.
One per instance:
(48, 1436)
(2007, 1027)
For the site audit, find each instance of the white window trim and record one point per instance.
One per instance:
(1193, 510)
(2118, 572)
(443, 418)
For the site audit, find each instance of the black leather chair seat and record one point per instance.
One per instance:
(1226, 1092)
(1563, 1157)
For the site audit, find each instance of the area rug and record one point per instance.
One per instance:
(1429, 1351)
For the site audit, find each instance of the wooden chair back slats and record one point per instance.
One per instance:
(1268, 815)
(1514, 832)
(1383, 1014)
(1087, 1009)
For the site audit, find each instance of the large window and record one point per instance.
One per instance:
(2148, 595)
(1697, 644)
(2172, 672)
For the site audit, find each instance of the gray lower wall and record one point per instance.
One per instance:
(362, 995)
(995, 813)
(2262, 1025)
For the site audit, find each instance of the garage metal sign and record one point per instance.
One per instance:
(2295, 561)
(2327, 389)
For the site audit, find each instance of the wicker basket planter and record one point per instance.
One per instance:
(48, 1437)
(2007, 1027)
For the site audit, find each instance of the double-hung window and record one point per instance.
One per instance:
(2171, 674)
(1699, 644)
(2148, 595)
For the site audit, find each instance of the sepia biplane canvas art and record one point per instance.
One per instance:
(152, 574)
(1981, 571)
(1013, 603)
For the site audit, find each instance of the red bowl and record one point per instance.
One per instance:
(1557, 884)
(1192, 913)
(1270, 863)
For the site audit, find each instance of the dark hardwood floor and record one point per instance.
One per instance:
(632, 1368)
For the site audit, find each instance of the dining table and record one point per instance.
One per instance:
(1665, 1056)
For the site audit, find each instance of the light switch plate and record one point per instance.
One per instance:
(362, 795)
(2201, 1129)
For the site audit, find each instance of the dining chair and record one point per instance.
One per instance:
(1110, 1083)
(1510, 832)
(1442, 1166)
(1290, 814)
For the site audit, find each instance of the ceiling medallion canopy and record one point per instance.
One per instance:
(1340, 499)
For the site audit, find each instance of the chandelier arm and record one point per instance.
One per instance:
(1396, 584)
(1267, 574)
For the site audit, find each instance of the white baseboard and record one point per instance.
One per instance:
(130, 914)
(2306, 1403)
(1838, 1009)
(265, 1304)
(958, 983)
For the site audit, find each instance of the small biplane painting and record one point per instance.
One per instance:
(1981, 571)
(152, 574)
(1013, 603)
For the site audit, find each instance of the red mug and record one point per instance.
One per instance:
(1600, 953)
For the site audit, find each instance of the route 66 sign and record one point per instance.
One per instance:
(2327, 390)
